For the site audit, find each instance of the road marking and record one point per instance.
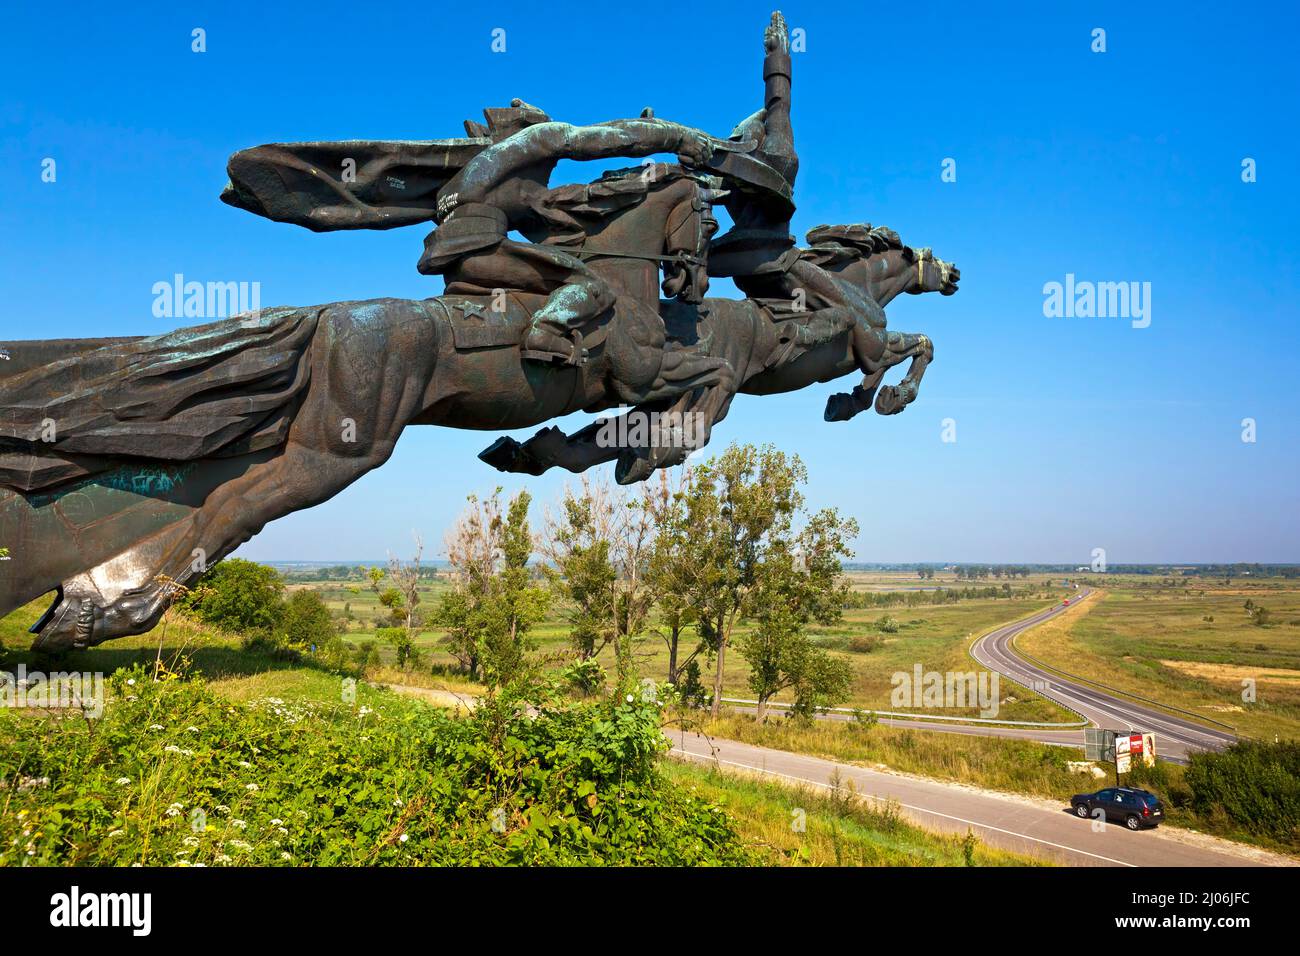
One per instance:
(872, 796)
(996, 650)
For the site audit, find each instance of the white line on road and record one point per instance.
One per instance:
(871, 796)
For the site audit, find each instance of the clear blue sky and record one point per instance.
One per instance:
(1072, 433)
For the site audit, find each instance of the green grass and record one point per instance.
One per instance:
(837, 829)
(1123, 640)
(996, 763)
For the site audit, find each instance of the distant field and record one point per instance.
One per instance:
(1191, 647)
(934, 636)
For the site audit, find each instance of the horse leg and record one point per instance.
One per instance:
(128, 594)
(682, 428)
(897, 348)
(842, 406)
(892, 399)
(693, 417)
(363, 386)
(552, 448)
(598, 443)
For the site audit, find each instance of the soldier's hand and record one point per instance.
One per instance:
(775, 37)
(695, 148)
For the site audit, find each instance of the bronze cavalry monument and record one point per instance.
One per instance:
(128, 464)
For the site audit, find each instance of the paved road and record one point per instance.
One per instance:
(1033, 827)
(1175, 736)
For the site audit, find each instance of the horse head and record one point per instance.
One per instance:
(875, 260)
(687, 232)
(932, 273)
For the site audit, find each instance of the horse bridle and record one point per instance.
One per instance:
(920, 269)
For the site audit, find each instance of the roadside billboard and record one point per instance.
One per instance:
(1119, 747)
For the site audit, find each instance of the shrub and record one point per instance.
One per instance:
(239, 596)
(1254, 784)
(174, 773)
(866, 643)
(585, 676)
(306, 621)
(270, 644)
(691, 691)
(367, 656)
(403, 641)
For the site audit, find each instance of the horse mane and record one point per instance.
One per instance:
(846, 243)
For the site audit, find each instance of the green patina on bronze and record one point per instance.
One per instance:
(126, 463)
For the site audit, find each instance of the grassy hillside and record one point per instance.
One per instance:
(236, 759)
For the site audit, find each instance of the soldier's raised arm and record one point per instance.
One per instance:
(779, 138)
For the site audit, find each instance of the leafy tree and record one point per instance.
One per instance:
(394, 603)
(799, 581)
(494, 600)
(739, 506)
(239, 596)
(578, 547)
(403, 643)
(306, 621)
(402, 599)
(673, 575)
(599, 551)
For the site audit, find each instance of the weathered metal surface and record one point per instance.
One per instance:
(127, 464)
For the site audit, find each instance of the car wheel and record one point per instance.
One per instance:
(1132, 822)
(1081, 811)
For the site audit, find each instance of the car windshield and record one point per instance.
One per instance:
(1149, 799)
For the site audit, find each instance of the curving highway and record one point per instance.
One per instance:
(1176, 737)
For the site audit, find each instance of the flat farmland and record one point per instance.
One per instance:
(1195, 647)
(877, 641)
(900, 637)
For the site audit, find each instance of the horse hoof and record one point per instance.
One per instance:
(503, 454)
(80, 621)
(630, 469)
(839, 408)
(70, 625)
(889, 402)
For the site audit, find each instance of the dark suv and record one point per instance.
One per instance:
(1135, 808)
